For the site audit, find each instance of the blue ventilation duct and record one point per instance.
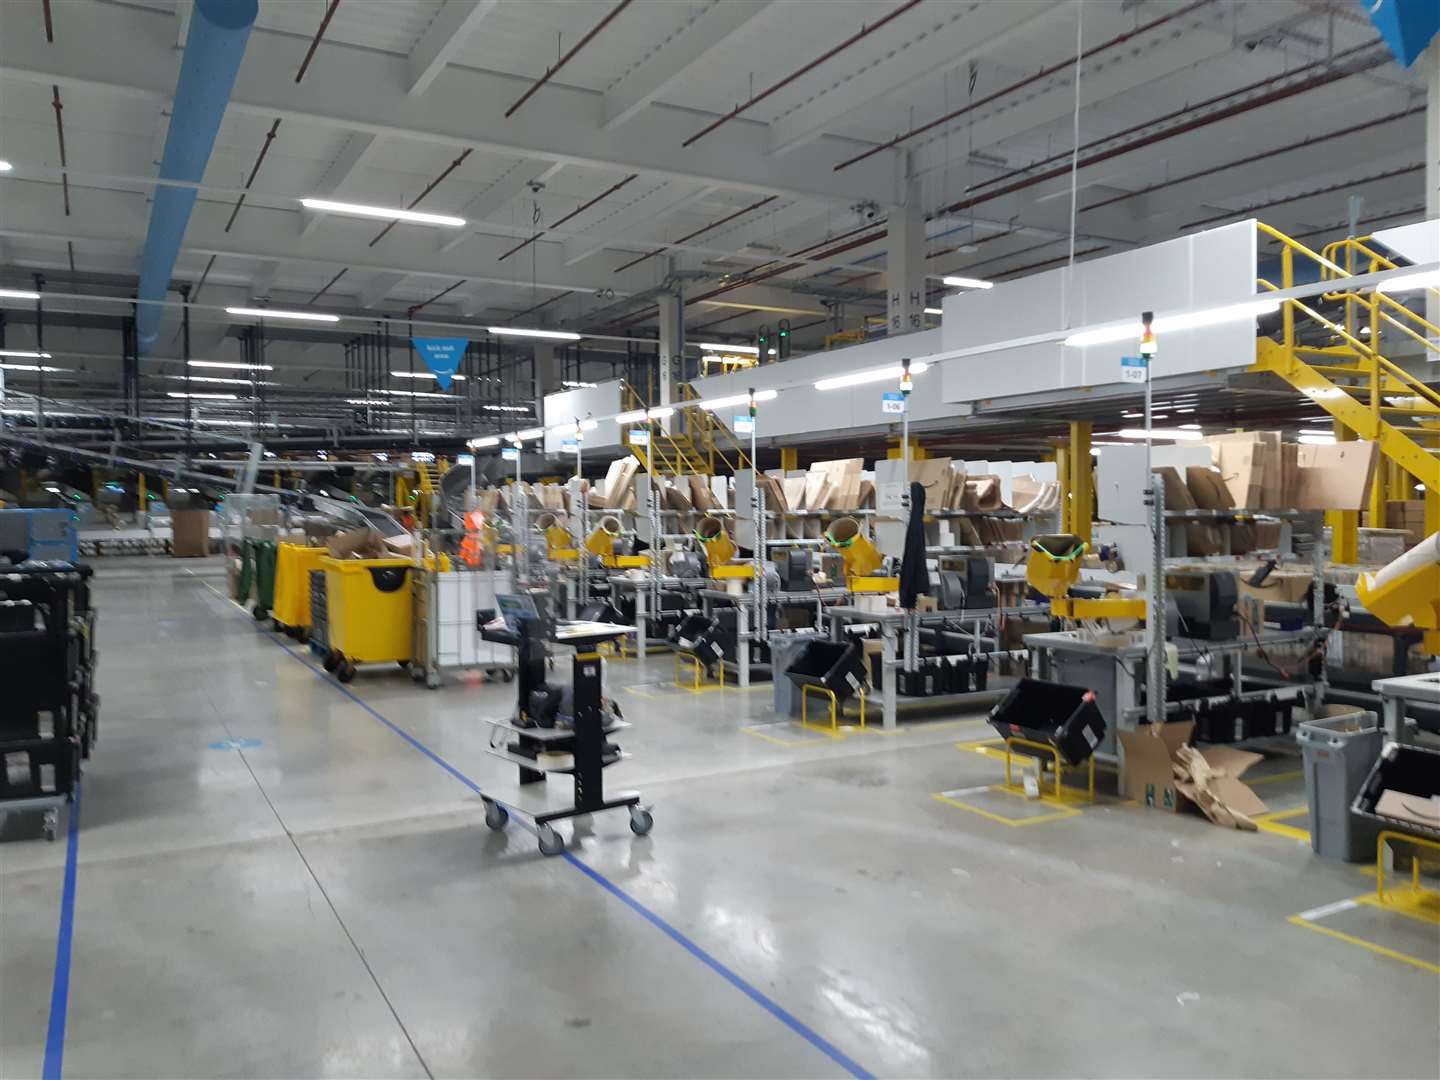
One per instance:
(219, 31)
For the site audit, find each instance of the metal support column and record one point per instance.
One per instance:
(1344, 524)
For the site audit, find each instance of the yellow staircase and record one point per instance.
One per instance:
(1368, 395)
(698, 444)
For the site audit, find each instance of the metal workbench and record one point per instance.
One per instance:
(892, 624)
(1396, 693)
(1114, 670)
(743, 602)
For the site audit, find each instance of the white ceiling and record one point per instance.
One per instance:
(624, 105)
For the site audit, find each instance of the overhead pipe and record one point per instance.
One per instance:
(550, 71)
(219, 32)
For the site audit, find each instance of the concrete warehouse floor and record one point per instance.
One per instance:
(273, 880)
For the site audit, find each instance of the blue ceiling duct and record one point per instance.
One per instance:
(219, 31)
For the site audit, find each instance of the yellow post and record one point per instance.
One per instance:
(1081, 493)
(896, 452)
(140, 491)
(1344, 524)
(1380, 493)
(1062, 471)
(789, 458)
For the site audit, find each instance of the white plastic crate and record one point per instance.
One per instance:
(460, 596)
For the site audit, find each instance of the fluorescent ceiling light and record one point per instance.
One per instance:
(1311, 431)
(589, 425)
(1405, 282)
(329, 206)
(228, 364)
(968, 283)
(419, 393)
(574, 385)
(211, 397)
(275, 313)
(367, 401)
(1159, 433)
(1190, 427)
(1130, 331)
(735, 399)
(217, 380)
(5, 166)
(25, 354)
(753, 350)
(530, 433)
(634, 416)
(487, 440)
(1317, 440)
(423, 375)
(28, 367)
(506, 408)
(934, 311)
(19, 294)
(659, 413)
(514, 331)
(1188, 408)
(859, 378)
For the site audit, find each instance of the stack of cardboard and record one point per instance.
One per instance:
(1262, 473)
(618, 492)
(1407, 515)
(190, 533)
(1162, 770)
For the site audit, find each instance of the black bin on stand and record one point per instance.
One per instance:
(837, 666)
(1065, 717)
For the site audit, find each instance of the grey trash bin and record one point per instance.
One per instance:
(1340, 747)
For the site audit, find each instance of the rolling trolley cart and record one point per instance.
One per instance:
(368, 613)
(538, 740)
(293, 566)
(447, 631)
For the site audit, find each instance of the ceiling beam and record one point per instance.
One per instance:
(358, 151)
(378, 287)
(496, 197)
(769, 299)
(183, 10)
(443, 38)
(961, 38)
(662, 200)
(361, 90)
(669, 66)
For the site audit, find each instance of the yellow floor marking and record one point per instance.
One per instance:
(1059, 815)
(1273, 823)
(1297, 774)
(788, 743)
(1351, 939)
(1423, 906)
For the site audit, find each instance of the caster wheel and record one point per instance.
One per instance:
(641, 820)
(432, 682)
(260, 614)
(551, 842)
(51, 819)
(345, 672)
(417, 672)
(404, 665)
(290, 631)
(332, 661)
(496, 816)
(302, 635)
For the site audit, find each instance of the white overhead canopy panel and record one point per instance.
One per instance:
(583, 403)
(1208, 269)
(1419, 242)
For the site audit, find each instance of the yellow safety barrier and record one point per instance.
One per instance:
(807, 689)
(1044, 748)
(697, 668)
(1384, 839)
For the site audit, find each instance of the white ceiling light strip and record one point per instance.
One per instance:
(330, 206)
(276, 313)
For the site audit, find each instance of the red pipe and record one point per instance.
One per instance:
(1301, 145)
(60, 137)
(428, 188)
(1410, 213)
(343, 271)
(315, 41)
(543, 303)
(1043, 73)
(443, 292)
(608, 191)
(550, 71)
(1179, 129)
(1188, 110)
(1049, 262)
(698, 232)
(865, 31)
(259, 160)
(1346, 186)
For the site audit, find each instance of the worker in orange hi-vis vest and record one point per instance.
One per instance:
(478, 535)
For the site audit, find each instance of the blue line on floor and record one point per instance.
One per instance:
(753, 993)
(60, 988)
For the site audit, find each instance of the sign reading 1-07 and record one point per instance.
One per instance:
(442, 356)
(1134, 369)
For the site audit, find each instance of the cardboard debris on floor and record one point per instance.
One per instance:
(1163, 770)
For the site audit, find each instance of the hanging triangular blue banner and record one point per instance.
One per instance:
(1407, 26)
(442, 355)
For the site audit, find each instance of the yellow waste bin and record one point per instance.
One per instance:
(369, 612)
(293, 563)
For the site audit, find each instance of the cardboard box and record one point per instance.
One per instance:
(1240, 458)
(362, 543)
(1281, 587)
(190, 537)
(1208, 489)
(1335, 477)
(1161, 769)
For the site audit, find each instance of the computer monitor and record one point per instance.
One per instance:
(513, 608)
